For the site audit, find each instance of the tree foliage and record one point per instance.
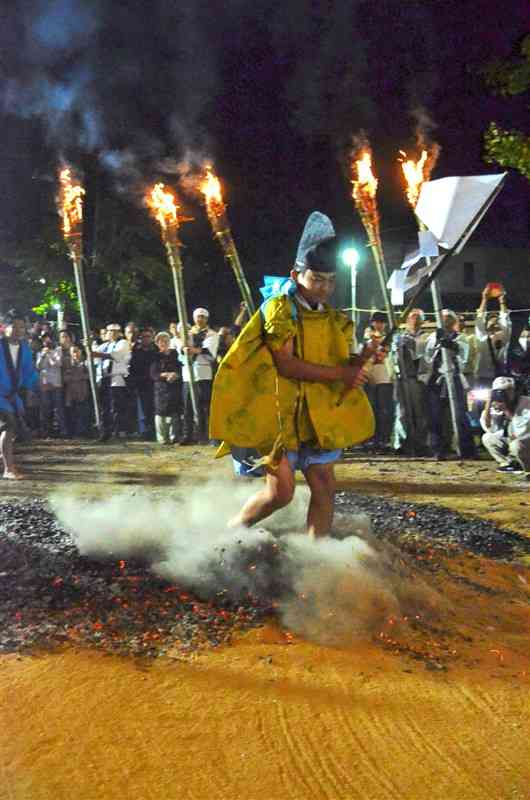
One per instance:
(509, 148)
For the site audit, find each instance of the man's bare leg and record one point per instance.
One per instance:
(321, 481)
(277, 493)
(6, 453)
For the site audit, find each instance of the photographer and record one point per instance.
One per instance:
(492, 336)
(506, 420)
(437, 390)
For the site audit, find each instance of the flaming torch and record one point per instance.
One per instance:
(162, 203)
(416, 173)
(210, 187)
(70, 207)
(364, 193)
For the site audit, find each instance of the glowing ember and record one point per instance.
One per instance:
(210, 187)
(70, 201)
(162, 203)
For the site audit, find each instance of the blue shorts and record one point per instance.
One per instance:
(303, 458)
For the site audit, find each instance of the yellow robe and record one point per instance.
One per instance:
(253, 406)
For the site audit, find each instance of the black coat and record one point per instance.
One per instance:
(167, 396)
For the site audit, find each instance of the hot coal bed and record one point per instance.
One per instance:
(50, 595)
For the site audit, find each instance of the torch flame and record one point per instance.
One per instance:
(365, 182)
(210, 186)
(70, 201)
(162, 203)
(414, 172)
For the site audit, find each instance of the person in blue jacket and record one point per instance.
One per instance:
(16, 373)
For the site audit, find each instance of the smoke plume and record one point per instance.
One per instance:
(332, 591)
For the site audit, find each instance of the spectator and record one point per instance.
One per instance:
(140, 383)
(173, 329)
(202, 347)
(229, 333)
(493, 340)
(166, 375)
(16, 373)
(379, 385)
(411, 437)
(49, 365)
(115, 355)
(506, 421)
(520, 358)
(32, 396)
(437, 391)
(76, 393)
(131, 333)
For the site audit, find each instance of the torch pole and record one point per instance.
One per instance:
(77, 261)
(229, 248)
(175, 262)
(402, 393)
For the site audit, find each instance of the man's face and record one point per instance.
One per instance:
(130, 333)
(16, 330)
(449, 323)
(414, 321)
(146, 339)
(64, 340)
(316, 287)
(113, 335)
(379, 326)
(201, 320)
(103, 334)
(493, 325)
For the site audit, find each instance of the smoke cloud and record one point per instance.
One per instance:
(332, 591)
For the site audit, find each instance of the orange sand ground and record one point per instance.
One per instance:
(276, 718)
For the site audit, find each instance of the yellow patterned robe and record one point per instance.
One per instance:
(253, 406)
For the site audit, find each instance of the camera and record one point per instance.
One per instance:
(499, 396)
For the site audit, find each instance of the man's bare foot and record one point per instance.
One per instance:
(13, 475)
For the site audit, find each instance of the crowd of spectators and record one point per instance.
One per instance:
(142, 384)
(490, 375)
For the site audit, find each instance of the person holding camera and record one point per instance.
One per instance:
(506, 422)
(437, 389)
(492, 336)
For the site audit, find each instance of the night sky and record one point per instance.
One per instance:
(272, 92)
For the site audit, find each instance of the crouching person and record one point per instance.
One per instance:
(506, 420)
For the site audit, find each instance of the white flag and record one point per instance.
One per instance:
(448, 206)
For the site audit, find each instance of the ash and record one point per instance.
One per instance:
(50, 594)
(397, 521)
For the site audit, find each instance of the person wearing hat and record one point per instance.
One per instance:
(288, 387)
(16, 373)
(379, 384)
(506, 422)
(437, 392)
(114, 355)
(202, 347)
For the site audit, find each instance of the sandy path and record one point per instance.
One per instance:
(269, 720)
(261, 720)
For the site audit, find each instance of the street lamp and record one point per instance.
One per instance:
(351, 257)
(60, 315)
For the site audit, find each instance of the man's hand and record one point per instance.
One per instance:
(354, 375)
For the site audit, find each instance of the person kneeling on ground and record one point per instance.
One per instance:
(288, 389)
(506, 420)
